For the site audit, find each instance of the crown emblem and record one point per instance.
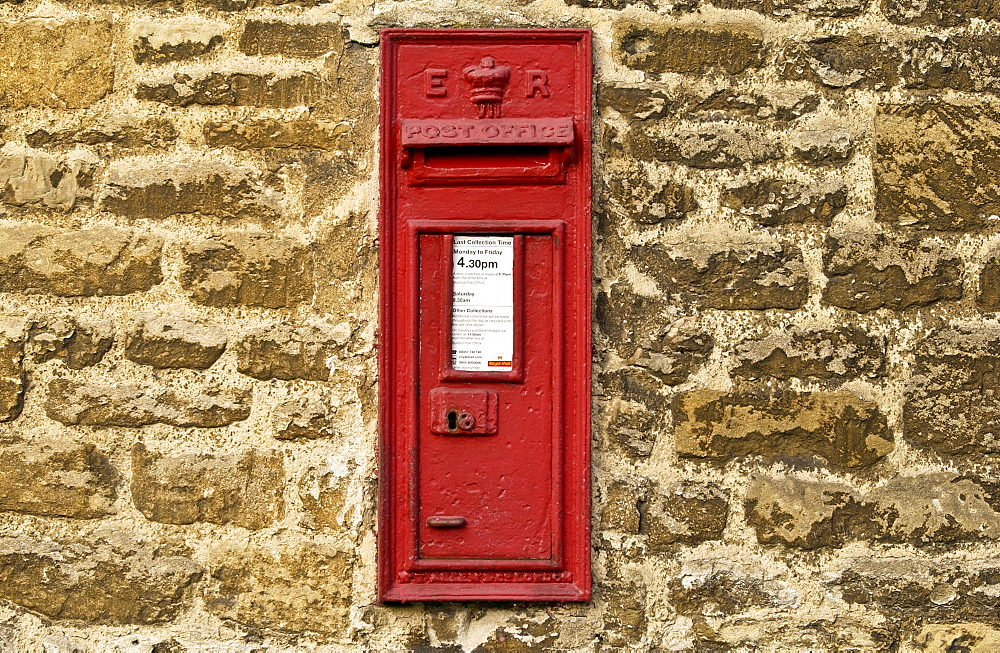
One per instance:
(488, 81)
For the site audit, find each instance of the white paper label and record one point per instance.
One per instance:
(482, 303)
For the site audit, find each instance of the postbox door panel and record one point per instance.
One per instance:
(484, 496)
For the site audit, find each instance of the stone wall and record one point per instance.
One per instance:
(797, 279)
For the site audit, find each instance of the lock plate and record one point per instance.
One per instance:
(464, 412)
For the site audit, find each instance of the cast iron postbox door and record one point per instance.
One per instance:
(485, 315)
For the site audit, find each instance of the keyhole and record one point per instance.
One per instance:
(452, 420)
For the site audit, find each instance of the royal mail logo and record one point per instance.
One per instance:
(499, 363)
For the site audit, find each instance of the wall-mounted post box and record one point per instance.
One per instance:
(485, 315)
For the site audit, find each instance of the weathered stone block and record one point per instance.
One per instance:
(943, 13)
(676, 354)
(632, 429)
(52, 62)
(624, 613)
(710, 146)
(243, 489)
(307, 417)
(786, 8)
(839, 354)
(915, 588)
(117, 582)
(928, 509)
(162, 40)
(636, 385)
(627, 318)
(988, 298)
(778, 202)
(857, 60)
(292, 38)
(631, 195)
(56, 478)
(167, 342)
(267, 133)
(833, 147)
(867, 272)
(304, 587)
(687, 513)
(963, 63)
(838, 428)
(154, 132)
(729, 48)
(622, 506)
(134, 405)
(707, 587)
(951, 401)
(324, 498)
(936, 166)
(29, 178)
(255, 89)
(12, 378)
(96, 261)
(78, 343)
(287, 352)
(753, 276)
(148, 187)
(249, 270)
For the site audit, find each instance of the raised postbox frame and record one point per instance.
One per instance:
(485, 133)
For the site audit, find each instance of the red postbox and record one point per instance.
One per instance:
(485, 315)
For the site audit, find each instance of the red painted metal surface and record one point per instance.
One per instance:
(484, 473)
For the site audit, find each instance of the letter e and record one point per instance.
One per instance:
(434, 82)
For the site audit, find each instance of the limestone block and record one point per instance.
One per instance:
(78, 343)
(778, 202)
(12, 377)
(756, 276)
(988, 299)
(951, 398)
(932, 590)
(852, 61)
(288, 352)
(943, 13)
(687, 513)
(39, 259)
(254, 89)
(134, 405)
(248, 269)
(306, 417)
(624, 612)
(936, 166)
(162, 40)
(786, 8)
(154, 132)
(54, 477)
(633, 429)
(832, 147)
(918, 510)
(838, 354)
(270, 133)
(867, 272)
(50, 62)
(243, 489)
(730, 48)
(838, 428)
(960, 62)
(325, 500)
(30, 178)
(99, 582)
(292, 38)
(170, 342)
(150, 187)
(295, 588)
(707, 147)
